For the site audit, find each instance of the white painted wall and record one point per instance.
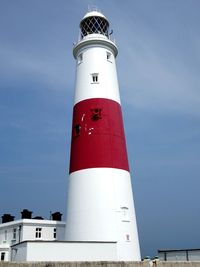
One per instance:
(94, 60)
(29, 230)
(6, 232)
(19, 253)
(94, 210)
(194, 255)
(62, 251)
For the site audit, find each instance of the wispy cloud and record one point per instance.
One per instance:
(162, 57)
(154, 83)
(17, 65)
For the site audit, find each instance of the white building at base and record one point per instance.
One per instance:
(14, 232)
(36, 239)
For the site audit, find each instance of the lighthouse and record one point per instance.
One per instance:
(100, 206)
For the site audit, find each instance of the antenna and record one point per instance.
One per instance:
(93, 8)
(50, 217)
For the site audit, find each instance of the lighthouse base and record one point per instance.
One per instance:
(101, 209)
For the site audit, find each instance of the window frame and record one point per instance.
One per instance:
(14, 233)
(54, 232)
(95, 78)
(38, 232)
(109, 56)
(5, 235)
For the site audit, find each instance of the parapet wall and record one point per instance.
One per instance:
(102, 264)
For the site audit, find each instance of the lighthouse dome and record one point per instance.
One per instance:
(94, 22)
(94, 13)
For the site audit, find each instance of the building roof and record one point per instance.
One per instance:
(61, 241)
(31, 221)
(175, 250)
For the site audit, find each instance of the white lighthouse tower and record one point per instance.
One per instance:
(100, 204)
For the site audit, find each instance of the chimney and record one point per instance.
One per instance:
(56, 216)
(26, 214)
(7, 218)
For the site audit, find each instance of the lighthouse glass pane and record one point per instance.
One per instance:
(92, 25)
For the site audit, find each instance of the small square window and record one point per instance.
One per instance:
(108, 56)
(95, 78)
(127, 237)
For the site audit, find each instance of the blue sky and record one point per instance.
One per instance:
(158, 69)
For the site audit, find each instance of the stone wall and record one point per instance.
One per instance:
(101, 264)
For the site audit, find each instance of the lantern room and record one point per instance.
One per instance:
(94, 22)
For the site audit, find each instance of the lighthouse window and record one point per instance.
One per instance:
(95, 78)
(77, 129)
(125, 214)
(127, 237)
(108, 56)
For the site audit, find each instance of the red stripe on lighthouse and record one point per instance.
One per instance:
(98, 135)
